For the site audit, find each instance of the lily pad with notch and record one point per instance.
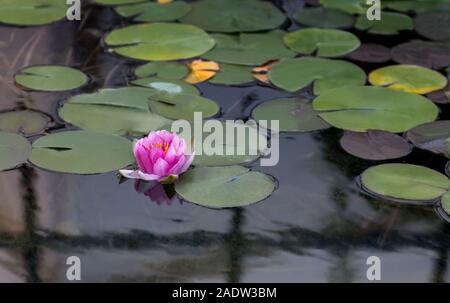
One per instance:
(159, 41)
(408, 78)
(224, 187)
(405, 183)
(51, 78)
(375, 145)
(293, 114)
(234, 16)
(122, 111)
(14, 150)
(182, 106)
(325, 74)
(233, 74)
(249, 49)
(154, 11)
(364, 108)
(82, 152)
(322, 42)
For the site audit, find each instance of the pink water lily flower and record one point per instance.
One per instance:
(160, 156)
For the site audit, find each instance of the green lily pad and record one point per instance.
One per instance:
(233, 16)
(50, 78)
(375, 145)
(231, 74)
(163, 70)
(27, 122)
(408, 78)
(434, 136)
(221, 187)
(154, 11)
(32, 12)
(434, 25)
(323, 42)
(117, 2)
(424, 53)
(364, 108)
(159, 41)
(417, 6)
(323, 17)
(294, 74)
(14, 150)
(115, 111)
(239, 143)
(182, 106)
(348, 6)
(390, 24)
(167, 86)
(249, 49)
(294, 114)
(82, 152)
(405, 182)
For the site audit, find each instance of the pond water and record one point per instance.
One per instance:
(316, 227)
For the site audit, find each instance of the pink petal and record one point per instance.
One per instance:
(161, 168)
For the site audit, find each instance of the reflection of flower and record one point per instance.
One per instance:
(160, 156)
(155, 191)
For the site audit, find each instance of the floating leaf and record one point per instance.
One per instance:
(159, 41)
(234, 16)
(390, 24)
(31, 12)
(373, 53)
(405, 182)
(82, 152)
(167, 86)
(201, 71)
(163, 70)
(249, 49)
(294, 114)
(416, 5)
(231, 74)
(433, 25)
(425, 53)
(50, 78)
(323, 42)
(445, 203)
(182, 106)
(115, 111)
(323, 17)
(117, 2)
(227, 143)
(434, 136)
(408, 78)
(14, 150)
(154, 11)
(375, 145)
(220, 187)
(27, 122)
(326, 74)
(348, 6)
(364, 108)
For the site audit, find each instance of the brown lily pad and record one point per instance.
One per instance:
(372, 53)
(425, 53)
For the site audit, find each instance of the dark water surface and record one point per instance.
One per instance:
(316, 227)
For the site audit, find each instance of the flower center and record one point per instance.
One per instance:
(164, 147)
